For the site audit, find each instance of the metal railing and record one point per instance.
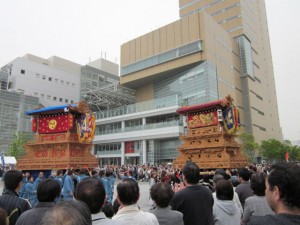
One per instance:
(141, 127)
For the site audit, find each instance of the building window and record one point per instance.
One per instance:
(44, 77)
(68, 83)
(56, 80)
(62, 82)
(37, 75)
(54, 98)
(73, 85)
(72, 101)
(42, 95)
(22, 71)
(60, 99)
(35, 94)
(50, 78)
(48, 97)
(66, 100)
(246, 57)
(181, 51)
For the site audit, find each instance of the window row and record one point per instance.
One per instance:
(44, 77)
(62, 82)
(53, 98)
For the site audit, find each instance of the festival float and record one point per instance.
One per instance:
(209, 140)
(63, 139)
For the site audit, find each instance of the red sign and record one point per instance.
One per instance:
(55, 124)
(202, 119)
(129, 147)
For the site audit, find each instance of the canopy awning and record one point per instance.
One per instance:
(50, 109)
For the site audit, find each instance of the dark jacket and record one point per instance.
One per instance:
(195, 203)
(278, 219)
(13, 205)
(35, 215)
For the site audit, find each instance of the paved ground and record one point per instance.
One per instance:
(144, 194)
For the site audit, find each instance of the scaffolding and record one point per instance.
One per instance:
(102, 90)
(111, 95)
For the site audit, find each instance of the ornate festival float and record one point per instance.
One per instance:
(63, 138)
(209, 138)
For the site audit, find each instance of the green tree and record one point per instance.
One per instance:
(294, 153)
(293, 150)
(248, 146)
(17, 147)
(273, 149)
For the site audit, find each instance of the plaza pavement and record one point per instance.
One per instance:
(144, 194)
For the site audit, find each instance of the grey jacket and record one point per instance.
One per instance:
(256, 206)
(166, 216)
(226, 212)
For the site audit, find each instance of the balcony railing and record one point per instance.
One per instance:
(142, 127)
(139, 107)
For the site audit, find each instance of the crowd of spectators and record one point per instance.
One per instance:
(257, 194)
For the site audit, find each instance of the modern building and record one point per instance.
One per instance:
(30, 81)
(216, 48)
(12, 108)
(100, 86)
(54, 81)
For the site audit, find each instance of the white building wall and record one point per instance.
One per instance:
(44, 82)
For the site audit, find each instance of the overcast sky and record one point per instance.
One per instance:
(82, 30)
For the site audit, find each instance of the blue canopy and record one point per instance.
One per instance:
(50, 109)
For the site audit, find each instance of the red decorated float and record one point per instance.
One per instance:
(63, 138)
(209, 139)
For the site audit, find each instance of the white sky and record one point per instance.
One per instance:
(79, 30)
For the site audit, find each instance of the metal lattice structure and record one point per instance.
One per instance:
(102, 89)
(109, 96)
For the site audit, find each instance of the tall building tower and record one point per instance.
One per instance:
(216, 48)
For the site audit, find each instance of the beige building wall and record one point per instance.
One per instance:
(216, 24)
(105, 65)
(248, 17)
(166, 38)
(144, 93)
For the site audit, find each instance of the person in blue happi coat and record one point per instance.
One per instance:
(68, 186)
(31, 191)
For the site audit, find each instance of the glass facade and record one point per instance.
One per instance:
(246, 57)
(138, 107)
(110, 148)
(93, 79)
(168, 150)
(3, 80)
(12, 115)
(116, 128)
(163, 57)
(193, 86)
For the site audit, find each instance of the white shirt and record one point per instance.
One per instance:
(133, 215)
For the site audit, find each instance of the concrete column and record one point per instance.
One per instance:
(122, 153)
(123, 125)
(144, 152)
(144, 121)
